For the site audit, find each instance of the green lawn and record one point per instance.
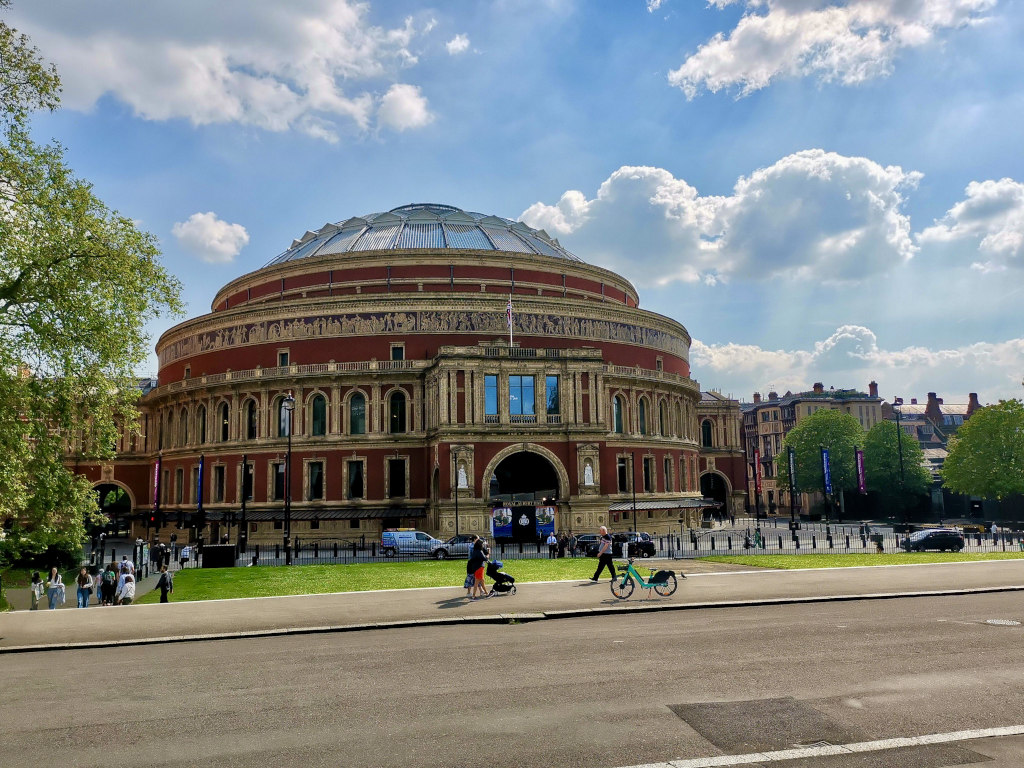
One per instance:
(849, 561)
(214, 583)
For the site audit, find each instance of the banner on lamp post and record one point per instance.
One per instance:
(156, 483)
(792, 470)
(827, 471)
(861, 485)
(757, 471)
(199, 487)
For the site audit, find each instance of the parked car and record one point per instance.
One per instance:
(934, 538)
(587, 544)
(408, 542)
(637, 545)
(456, 546)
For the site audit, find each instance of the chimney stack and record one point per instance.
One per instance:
(932, 411)
(972, 404)
(773, 395)
(873, 389)
(913, 401)
(757, 398)
(819, 388)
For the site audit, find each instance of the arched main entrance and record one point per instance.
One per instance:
(714, 486)
(524, 494)
(116, 503)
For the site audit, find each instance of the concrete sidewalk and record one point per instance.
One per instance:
(253, 617)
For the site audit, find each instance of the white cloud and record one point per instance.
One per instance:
(311, 67)
(211, 239)
(849, 42)
(851, 357)
(403, 107)
(458, 44)
(991, 218)
(812, 215)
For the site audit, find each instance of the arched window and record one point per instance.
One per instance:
(642, 415)
(183, 426)
(662, 419)
(201, 423)
(705, 433)
(251, 420)
(357, 414)
(225, 422)
(678, 418)
(617, 408)
(396, 412)
(283, 418)
(319, 426)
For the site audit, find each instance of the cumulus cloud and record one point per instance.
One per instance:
(458, 44)
(314, 67)
(812, 215)
(991, 219)
(404, 107)
(849, 42)
(852, 356)
(211, 239)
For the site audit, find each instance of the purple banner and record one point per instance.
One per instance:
(861, 486)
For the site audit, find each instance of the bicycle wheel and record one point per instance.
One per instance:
(623, 588)
(667, 588)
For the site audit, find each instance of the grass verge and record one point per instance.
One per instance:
(219, 583)
(790, 562)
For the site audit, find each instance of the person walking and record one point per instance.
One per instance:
(84, 587)
(109, 584)
(572, 544)
(37, 590)
(55, 589)
(552, 545)
(165, 584)
(470, 577)
(476, 567)
(604, 555)
(563, 542)
(126, 589)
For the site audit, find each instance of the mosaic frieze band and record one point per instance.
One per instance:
(365, 324)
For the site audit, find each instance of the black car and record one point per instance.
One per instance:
(587, 544)
(637, 545)
(934, 538)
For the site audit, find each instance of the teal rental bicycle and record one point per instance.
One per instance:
(662, 582)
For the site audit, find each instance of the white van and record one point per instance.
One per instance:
(405, 541)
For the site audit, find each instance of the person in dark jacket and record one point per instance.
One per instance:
(165, 584)
(604, 555)
(475, 565)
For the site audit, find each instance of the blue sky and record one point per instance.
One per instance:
(817, 190)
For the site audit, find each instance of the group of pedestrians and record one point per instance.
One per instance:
(559, 545)
(479, 554)
(113, 584)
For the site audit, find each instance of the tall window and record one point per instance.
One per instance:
(662, 419)
(398, 351)
(201, 423)
(648, 474)
(247, 481)
(278, 481)
(705, 433)
(396, 413)
(396, 478)
(225, 422)
(642, 415)
(551, 395)
(355, 480)
(357, 414)
(251, 420)
(319, 426)
(315, 492)
(668, 475)
(617, 408)
(623, 474)
(490, 394)
(183, 421)
(283, 419)
(520, 395)
(179, 485)
(684, 475)
(218, 483)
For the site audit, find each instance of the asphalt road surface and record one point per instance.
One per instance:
(606, 692)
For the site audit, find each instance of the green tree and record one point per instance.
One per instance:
(78, 283)
(986, 457)
(882, 448)
(827, 428)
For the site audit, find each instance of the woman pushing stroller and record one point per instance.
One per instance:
(475, 566)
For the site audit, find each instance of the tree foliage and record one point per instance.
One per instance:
(986, 457)
(841, 433)
(78, 283)
(882, 448)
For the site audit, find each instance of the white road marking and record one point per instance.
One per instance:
(838, 749)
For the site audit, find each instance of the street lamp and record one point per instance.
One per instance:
(632, 484)
(897, 402)
(289, 405)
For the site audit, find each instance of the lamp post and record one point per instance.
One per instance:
(897, 403)
(289, 405)
(243, 530)
(632, 484)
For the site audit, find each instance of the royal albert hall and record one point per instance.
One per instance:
(368, 378)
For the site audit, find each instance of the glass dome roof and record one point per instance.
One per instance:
(424, 225)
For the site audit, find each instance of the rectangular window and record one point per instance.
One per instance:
(179, 485)
(398, 351)
(551, 395)
(278, 481)
(165, 480)
(355, 480)
(490, 395)
(218, 483)
(278, 525)
(282, 358)
(623, 474)
(353, 523)
(648, 474)
(247, 481)
(520, 395)
(396, 478)
(314, 525)
(668, 475)
(684, 475)
(766, 416)
(315, 491)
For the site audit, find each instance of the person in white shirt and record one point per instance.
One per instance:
(552, 545)
(126, 590)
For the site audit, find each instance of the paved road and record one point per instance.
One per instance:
(349, 609)
(598, 692)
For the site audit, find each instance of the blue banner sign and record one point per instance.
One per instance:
(827, 470)
(501, 523)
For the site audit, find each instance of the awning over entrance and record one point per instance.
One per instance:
(355, 513)
(626, 506)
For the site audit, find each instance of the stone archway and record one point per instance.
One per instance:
(556, 464)
(115, 500)
(525, 484)
(715, 485)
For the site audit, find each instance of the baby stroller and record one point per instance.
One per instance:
(503, 583)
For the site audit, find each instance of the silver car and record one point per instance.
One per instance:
(456, 546)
